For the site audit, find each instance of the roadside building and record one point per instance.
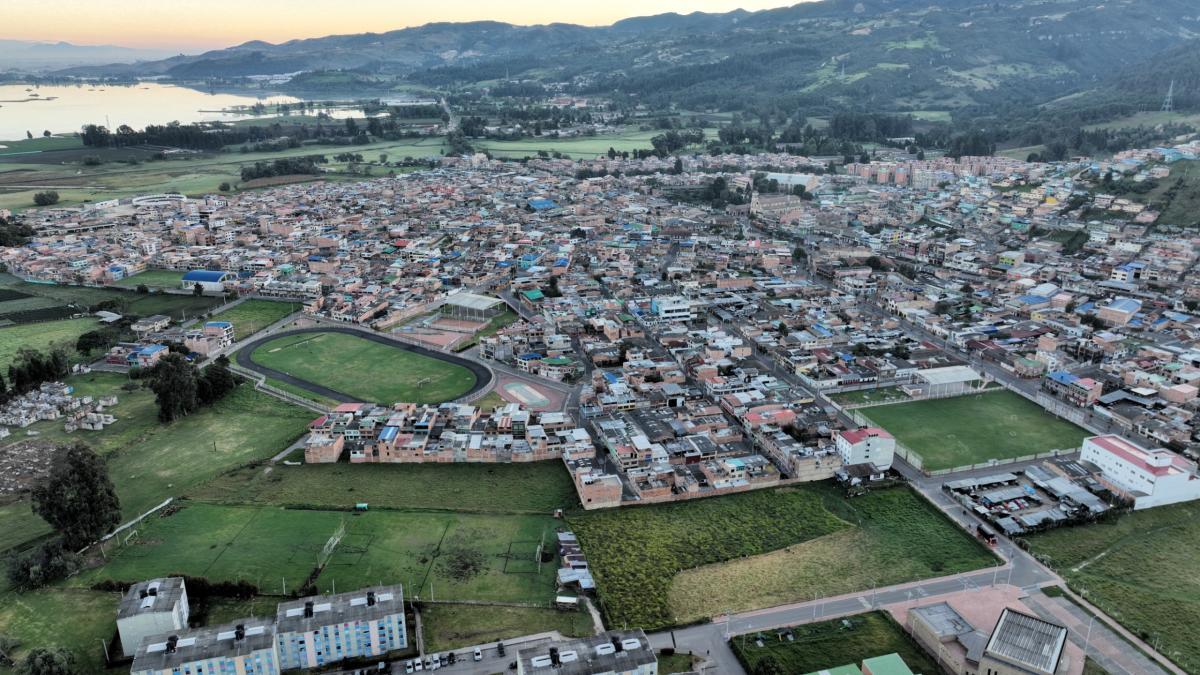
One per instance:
(867, 445)
(319, 630)
(1148, 477)
(209, 280)
(610, 653)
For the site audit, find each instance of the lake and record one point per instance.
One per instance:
(65, 109)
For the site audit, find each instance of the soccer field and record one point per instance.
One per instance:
(365, 369)
(972, 429)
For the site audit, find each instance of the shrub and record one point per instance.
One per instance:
(46, 198)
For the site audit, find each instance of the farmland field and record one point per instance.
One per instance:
(536, 487)
(192, 175)
(828, 644)
(972, 429)
(153, 279)
(22, 301)
(586, 147)
(661, 565)
(898, 537)
(250, 316)
(457, 626)
(365, 369)
(446, 555)
(1142, 569)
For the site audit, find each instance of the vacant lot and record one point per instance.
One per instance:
(644, 558)
(457, 626)
(364, 369)
(897, 537)
(637, 553)
(538, 487)
(828, 644)
(952, 432)
(253, 315)
(153, 279)
(440, 555)
(71, 618)
(1142, 569)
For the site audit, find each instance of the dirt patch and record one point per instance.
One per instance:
(23, 464)
(462, 564)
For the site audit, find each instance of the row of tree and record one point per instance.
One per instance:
(180, 388)
(31, 368)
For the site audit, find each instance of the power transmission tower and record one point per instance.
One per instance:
(1169, 102)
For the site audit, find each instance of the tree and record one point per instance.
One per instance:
(197, 290)
(225, 186)
(46, 134)
(78, 499)
(94, 340)
(143, 289)
(46, 198)
(29, 135)
(215, 382)
(47, 662)
(44, 565)
(174, 386)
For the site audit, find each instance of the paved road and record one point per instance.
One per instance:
(483, 375)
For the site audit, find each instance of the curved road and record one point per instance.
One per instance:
(482, 375)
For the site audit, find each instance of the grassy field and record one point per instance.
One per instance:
(153, 279)
(896, 537)
(41, 336)
(952, 432)
(650, 562)
(587, 147)
(828, 644)
(1142, 569)
(149, 462)
(536, 487)
(449, 556)
(71, 618)
(675, 663)
(456, 626)
(365, 369)
(250, 316)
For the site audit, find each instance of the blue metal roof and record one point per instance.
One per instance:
(204, 275)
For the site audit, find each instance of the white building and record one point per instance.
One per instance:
(672, 308)
(316, 631)
(150, 608)
(246, 647)
(1149, 477)
(868, 445)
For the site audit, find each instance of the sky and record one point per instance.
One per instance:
(189, 25)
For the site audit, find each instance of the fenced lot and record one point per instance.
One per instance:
(825, 645)
(975, 428)
(1142, 569)
(441, 555)
(662, 565)
(250, 316)
(364, 369)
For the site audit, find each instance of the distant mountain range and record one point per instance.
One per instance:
(20, 55)
(901, 55)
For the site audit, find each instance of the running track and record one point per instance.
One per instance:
(482, 375)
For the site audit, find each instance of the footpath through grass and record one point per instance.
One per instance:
(1142, 569)
(829, 644)
(526, 488)
(365, 369)
(650, 561)
(972, 429)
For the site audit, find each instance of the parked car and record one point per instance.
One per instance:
(408, 666)
(478, 654)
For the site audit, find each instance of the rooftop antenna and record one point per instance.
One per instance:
(1169, 102)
